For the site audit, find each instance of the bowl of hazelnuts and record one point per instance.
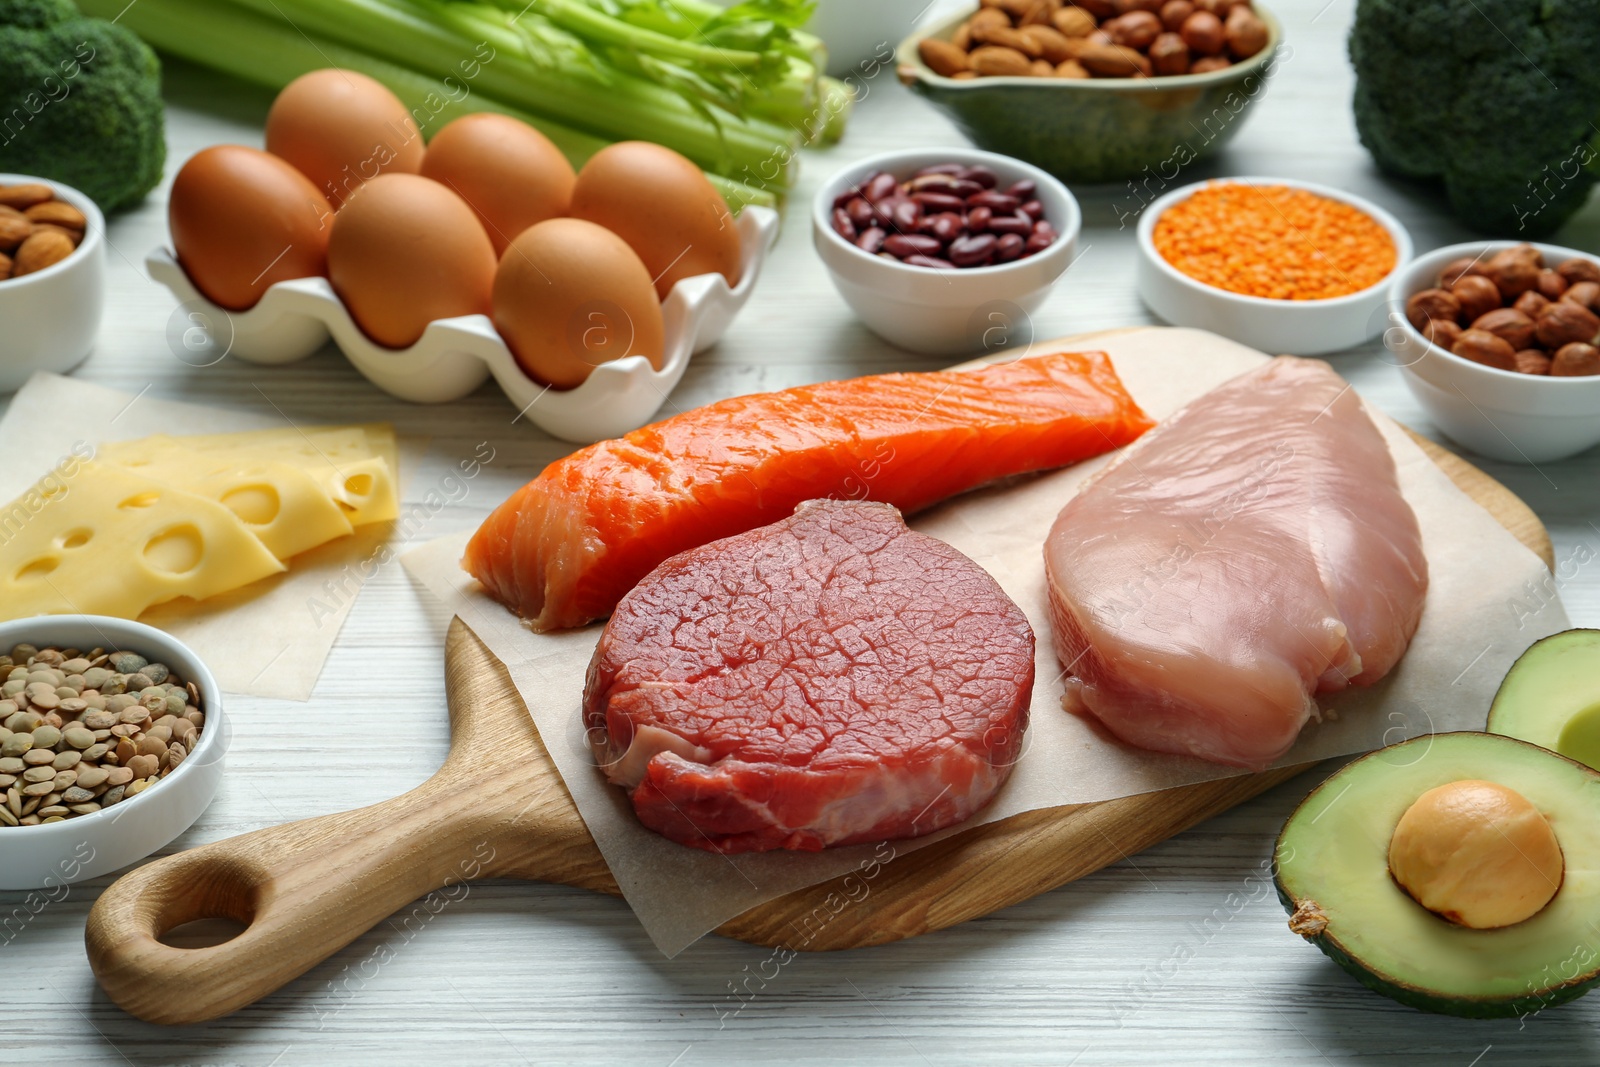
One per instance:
(1097, 90)
(1500, 344)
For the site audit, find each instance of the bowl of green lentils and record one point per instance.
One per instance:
(111, 745)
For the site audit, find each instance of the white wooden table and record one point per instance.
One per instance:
(1176, 956)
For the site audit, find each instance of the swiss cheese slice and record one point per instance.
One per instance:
(112, 542)
(354, 465)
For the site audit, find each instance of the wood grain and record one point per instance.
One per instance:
(498, 808)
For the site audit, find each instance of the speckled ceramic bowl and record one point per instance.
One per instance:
(1098, 129)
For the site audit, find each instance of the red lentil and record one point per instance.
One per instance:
(1274, 241)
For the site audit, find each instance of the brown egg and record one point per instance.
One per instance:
(509, 173)
(662, 205)
(242, 219)
(570, 295)
(405, 251)
(340, 128)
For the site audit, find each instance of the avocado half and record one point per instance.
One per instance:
(1333, 876)
(1551, 696)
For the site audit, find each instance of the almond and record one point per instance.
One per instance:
(24, 196)
(1052, 44)
(993, 60)
(1113, 61)
(75, 236)
(1071, 68)
(1016, 40)
(58, 212)
(942, 57)
(39, 251)
(14, 229)
(986, 21)
(1073, 22)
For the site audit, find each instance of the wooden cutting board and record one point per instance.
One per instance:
(498, 809)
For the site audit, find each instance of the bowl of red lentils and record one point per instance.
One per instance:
(1287, 267)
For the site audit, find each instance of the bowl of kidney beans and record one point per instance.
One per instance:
(945, 251)
(946, 216)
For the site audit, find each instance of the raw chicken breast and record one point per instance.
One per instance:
(1251, 551)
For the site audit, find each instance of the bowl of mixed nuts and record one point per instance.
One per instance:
(52, 277)
(1500, 344)
(111, 745)
(1097, 90)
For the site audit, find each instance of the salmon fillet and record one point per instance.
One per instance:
(1250, 552)
(830, 679)
(566, 546)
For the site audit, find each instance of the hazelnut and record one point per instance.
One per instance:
(1480, 346)
(1136, 29)
(5, 266)
(1169, 55)
(1207, 64)
(1532, 361)
(1524, 252)
(1513, 275)
(1074, 21)
(1552, 284)
(1564, 322)
(1174, 13)
(1477, 295)
(1458, 268)
(1443, 332)
(1584, 293)
(1531, 303)
(1203, 33)
(1432, 304)
(1509, 324)
(1575, 360)
(1579, 270)
(1246, 33)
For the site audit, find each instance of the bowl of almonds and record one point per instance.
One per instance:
(111, 745)
(1097, 90)
(1500, 344)
(52, 277)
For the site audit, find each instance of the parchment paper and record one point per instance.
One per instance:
(269, 639)
(1475, 623)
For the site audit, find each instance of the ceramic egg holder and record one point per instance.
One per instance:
(453, 357)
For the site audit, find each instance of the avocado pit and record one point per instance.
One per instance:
(1477, 854)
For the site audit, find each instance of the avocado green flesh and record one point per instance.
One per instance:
(1334, 851)
(1551, 696)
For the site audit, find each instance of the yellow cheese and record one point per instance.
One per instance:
(354, 465)
(284, 505)
(112, 542)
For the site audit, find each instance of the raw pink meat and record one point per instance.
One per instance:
(1252, 550)
(830, 679)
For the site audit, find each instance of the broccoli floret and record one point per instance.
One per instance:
(1495, 99)
(80, 102)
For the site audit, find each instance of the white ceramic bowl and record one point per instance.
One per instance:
(49, 319)
(861, 36)
(946, 312)
(1518, 418)
(44, 857)
(1278, 327)
(454, 356)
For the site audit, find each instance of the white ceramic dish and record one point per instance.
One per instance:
(42, 857)
(1518, 418)
(1280, 327)
(946, 312)
(454, 356)
(861, 36)
(52, 317)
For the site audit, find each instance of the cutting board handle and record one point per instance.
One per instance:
(305, 890)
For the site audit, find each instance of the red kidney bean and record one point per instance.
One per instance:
(1021, 225)
(947, 225)
(940, 168)
(982, 175)
(880, 186)
(930, 261)
(871, 240)
(1043, 226)
(978, 219)
(1039, 242)
(1007, 248)
(906, 245)
(999, 203)
(859, 211)
(906, 214)
(842, 224)
(1022, 190)
(939, 202)
(854, 191)
(1033, 209)
(972, 250)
